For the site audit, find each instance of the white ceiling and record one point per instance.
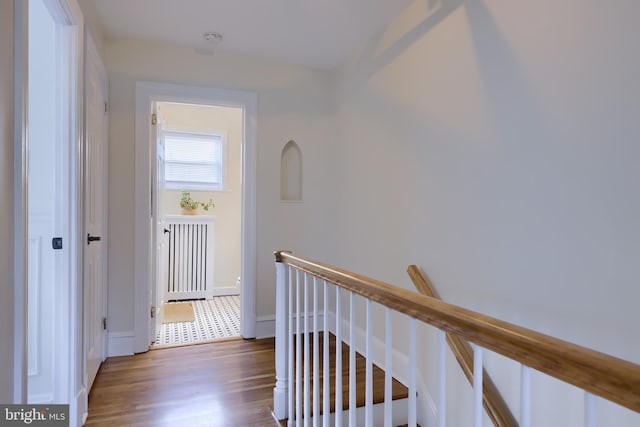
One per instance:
(316, 33)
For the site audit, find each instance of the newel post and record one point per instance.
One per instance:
(280, 391)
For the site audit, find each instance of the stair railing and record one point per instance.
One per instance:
(494, 405)
(299, 279)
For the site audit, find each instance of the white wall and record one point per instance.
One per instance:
(292, 104)
(228, 202)
(495, 145)
(92, 23)
(6, 194)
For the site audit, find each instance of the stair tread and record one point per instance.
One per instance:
(399, 391)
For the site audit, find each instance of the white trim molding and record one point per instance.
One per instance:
(266, 326)
(120, 343)
(146, 94)
(20, 211)
(80, 408)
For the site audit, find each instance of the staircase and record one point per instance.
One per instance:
(312, 297)
(399, 392)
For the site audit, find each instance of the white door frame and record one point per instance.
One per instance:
(158, 239)
(69, 310)
(20, 214)
(146, 94)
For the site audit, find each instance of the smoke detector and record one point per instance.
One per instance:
(212, 37)
(211, 42)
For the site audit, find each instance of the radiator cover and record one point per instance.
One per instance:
(190, 259)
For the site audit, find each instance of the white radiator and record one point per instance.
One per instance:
(190, 265)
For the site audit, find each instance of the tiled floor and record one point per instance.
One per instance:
(218, 318)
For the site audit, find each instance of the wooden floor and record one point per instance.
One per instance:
(220, 384)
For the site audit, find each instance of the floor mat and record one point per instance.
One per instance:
(175, 312)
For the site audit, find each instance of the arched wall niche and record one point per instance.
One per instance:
(291, 172)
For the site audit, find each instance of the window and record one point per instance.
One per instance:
(193, 161)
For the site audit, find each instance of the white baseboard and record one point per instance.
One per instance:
(78, 409)
(223, 292)
(266, 325)
(121, 343)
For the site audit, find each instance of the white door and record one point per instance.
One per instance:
(161, 237)
(95, 213)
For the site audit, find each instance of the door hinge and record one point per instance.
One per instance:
(106, 107)
(104, 323)
(154, 119)
(153, 312)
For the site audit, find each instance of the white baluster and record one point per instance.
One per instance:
(477, 387)
(326, 376)
(307, 374)
(298, 355)
(412, 373)
(388, 372)
(316, 357)
(338, 399)
(525, 396)
(292, 385)
(280, 391)
(368, 383)
(352, 361)
(442, 378)
(590, 413)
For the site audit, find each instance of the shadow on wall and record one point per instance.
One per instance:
(505, 83)
(524, 132)
(503, 78)
(370, 62)
(517, 128)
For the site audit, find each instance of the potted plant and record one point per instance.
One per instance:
(189, 205)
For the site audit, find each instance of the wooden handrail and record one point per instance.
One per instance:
(609, 377)
(492, 400)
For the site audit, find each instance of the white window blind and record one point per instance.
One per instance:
(193, 161)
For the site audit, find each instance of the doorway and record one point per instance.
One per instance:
(149, 222)
(198, 200)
